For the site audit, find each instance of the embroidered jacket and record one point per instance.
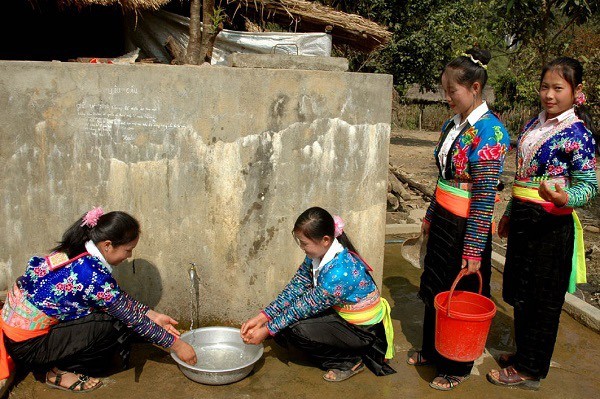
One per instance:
(74, 291)
(343, 280)
(565, 152)
(476, 157)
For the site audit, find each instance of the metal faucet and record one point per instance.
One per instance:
(192, 272)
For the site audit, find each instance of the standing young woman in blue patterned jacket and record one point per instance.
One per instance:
(331, 309)
(67, 315)
(470, 156)
(556, 172)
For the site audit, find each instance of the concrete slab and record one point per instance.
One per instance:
(393, 229)
(417, 214)
(285, 61)
(282, 374)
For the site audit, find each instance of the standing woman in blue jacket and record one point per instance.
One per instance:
(556, 172)
(470, 156)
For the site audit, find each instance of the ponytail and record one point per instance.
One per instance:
(345, 241)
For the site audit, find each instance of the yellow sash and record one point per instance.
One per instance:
(379, 311)
(578, 271)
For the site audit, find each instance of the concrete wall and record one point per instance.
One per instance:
(215, 162)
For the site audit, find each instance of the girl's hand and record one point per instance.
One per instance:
(503, 227)
(184, 351)
(472, 265)
(558, 198)
(425, 227)
(257, 321)
(164, 321)
(256, 336)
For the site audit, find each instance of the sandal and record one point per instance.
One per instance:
(77, 386)
(419, 361)
(509, 377)
(453, 381)
(506, 359)
(341, 375)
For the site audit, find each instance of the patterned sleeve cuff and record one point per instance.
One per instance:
(266, 315)
(133, 316)
(272, 328)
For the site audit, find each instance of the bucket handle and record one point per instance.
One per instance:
(462, 273)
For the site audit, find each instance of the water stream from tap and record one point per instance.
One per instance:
(194, 296)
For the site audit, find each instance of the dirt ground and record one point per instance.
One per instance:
(412, 152)
(287, 374)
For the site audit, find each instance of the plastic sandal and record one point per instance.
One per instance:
(509, 377)
(453, 381)
(420, 361)
(76, 387)
(341, 375)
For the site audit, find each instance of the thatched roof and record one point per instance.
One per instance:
(414, 95)
(304, 16)
(131, 5)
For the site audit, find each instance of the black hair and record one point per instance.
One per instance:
(316, 223)
(468, 72)
(571, 70)
(118, 227)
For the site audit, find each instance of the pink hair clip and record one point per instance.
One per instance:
(580, 99)
(91, 218)
(339, 225)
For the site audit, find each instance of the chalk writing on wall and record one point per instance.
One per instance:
(108, 118)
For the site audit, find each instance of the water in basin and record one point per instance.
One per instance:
(222, 356)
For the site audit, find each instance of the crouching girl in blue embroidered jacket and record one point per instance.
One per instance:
(332, 308)
(67, 315)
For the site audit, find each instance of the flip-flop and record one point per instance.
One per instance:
(420, 360)
(453, 381)
(341, 375)
(76, 387)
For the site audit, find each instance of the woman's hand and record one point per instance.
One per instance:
(257, 321)
(503, 227)
(164, 321)
(256, 335)
(425, 227)
(472, 265)
(184, 351)
(558, 198)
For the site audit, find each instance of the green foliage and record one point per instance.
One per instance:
(219, 16)
(427, 34)
(522, 34)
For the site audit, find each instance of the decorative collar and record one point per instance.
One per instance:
(94, 251)
(557, 119)
(317, 264)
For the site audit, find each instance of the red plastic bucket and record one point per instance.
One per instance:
(462, 322)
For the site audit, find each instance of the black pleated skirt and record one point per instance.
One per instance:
(443, 260)
(536, 277)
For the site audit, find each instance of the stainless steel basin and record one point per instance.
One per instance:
(223, 357)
